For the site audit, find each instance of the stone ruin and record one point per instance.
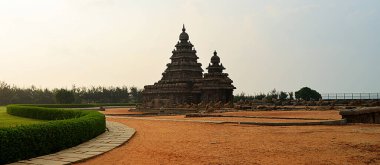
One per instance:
(183, 84)
(362, 115)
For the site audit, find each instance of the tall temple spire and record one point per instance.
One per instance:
(184, 37)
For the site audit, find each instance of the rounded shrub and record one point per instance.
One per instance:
(306, 93)
(67, 128)
(80, 105)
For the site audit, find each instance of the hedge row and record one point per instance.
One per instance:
(23, 142)
(81, 105)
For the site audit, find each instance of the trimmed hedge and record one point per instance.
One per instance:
(81, 105)
(67, 129)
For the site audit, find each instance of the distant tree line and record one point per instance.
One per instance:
(304, 93)
(10, 94)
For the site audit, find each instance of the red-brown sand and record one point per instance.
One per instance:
(169, 142)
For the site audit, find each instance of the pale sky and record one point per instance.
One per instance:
(328, 45)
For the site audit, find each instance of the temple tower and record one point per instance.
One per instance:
(184, 67)
(180, 82)
(216, 86)
(183, 81)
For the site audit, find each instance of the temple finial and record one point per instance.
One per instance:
(183, 28)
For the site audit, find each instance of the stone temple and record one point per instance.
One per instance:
(183, 81)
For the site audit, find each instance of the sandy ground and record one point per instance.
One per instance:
(169, 142)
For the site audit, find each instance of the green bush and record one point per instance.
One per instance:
(80, 105)
(62, 105)
(23, 142)
(42, 113)
(306, 93)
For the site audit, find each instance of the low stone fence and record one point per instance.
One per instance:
(265, 104)
(362, 115)
(166, 110)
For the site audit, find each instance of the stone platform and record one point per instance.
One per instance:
(362, 115)
(306, 123)
(176, 111)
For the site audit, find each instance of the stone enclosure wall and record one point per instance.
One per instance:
(362, 115)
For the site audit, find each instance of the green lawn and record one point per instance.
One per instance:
(7, 120)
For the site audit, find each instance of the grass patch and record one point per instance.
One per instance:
(7, 120)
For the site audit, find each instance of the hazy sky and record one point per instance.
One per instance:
(328, 45)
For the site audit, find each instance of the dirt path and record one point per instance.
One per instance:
(167, 142)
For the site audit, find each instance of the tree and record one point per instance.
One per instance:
(273, 94)
(291, 96)
(136, 94)
(306, 93)
(64, 96)
(283, 95)
(260, 96)
(11, 94)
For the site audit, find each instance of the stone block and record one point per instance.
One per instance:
(362, 115)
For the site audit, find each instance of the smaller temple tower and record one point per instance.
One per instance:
(217, 86)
